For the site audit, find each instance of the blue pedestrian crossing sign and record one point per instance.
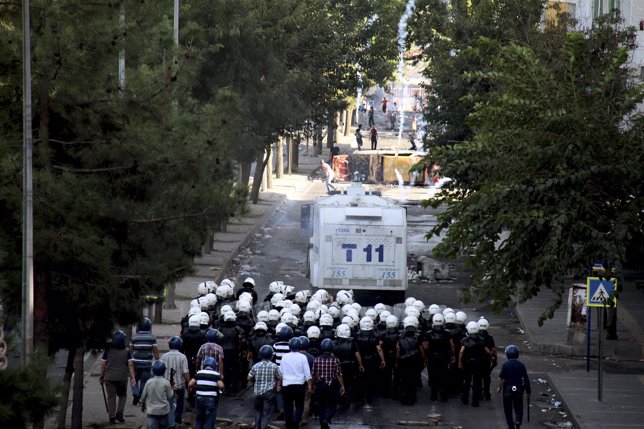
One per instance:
(600, 292)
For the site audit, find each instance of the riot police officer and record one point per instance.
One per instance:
(234, 345)
(513, 381)
(440, 353)
(470, 360)
(410, 358)
(347, 351)
(489, 361)
(373, 359)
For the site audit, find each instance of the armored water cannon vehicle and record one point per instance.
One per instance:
(358, 241)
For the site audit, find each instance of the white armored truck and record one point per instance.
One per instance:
(358, 241)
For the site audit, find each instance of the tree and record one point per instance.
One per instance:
(444, 31)
(551, 180)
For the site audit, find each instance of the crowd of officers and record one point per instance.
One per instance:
(382, 349)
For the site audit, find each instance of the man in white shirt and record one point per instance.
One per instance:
(328, 171)
(296, 379)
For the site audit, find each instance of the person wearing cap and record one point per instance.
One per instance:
(513, 381)
(268, 381)
(207, 385)
(328, 382)
(296, 379)
(211, 349)
(143, 346)
(178, 375)
(156, 397)
(116, 365)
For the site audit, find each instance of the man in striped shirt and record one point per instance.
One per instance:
(143, 346)
(207, 385)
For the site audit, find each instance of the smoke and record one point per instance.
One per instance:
(402, 48)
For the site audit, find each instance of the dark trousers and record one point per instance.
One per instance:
(367, 381)
(142, 375)
(231, 370)
(510, 401)
(263, 409)
(473, 380)
(326, 398)
(408, 369)
(437, 371)
(293, 404)
(349, 375)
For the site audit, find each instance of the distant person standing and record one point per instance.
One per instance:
(414, 125)
(144, 350)
(359, 136)
(371, 120)
(513, 381)
(328, 171)
(373, 136)
(384, 105)
(116, 365)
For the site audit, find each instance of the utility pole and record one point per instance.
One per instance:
(27, 195)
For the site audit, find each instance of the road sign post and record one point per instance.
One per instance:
(600, 292)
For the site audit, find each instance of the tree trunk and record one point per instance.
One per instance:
(77, 398)
(169, 302)
(260, 166)
(289, 154)
(280, 158)
(269, 169)
(295, 152)
(336, 127)
(244, 173)
(64, 395)
(348, 114)
(330, 136)
(158, 312)
(318, 139)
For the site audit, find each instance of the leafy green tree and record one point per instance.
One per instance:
(444, 30)
(551, 180)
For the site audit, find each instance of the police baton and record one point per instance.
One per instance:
(104, 398)
(527, 398)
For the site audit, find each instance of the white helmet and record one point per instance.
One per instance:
(324, 295)
(244, 306)
(412, 311)
(349, 321)
(246, 296)
(226, 289)
(284, 310)
(319, 312)
(434, 309)
(326, 320)
(204, 318)
(295, 309)
(410, 301)
(286, 318)
(380, 307)
(410, 321)
(334, 311)
(276, 298)
(313, 332)
(194, 321)
(392, 322)
(472, 328)
(447, 310)
(225, 309)
(204, 303)
(261, 326)
(274, 316)
(366, 324)
(372, 314)
(195, 303)
(300, 297)
(484, 325)
(313, 305)
(343, 331)
(357, 307)
(275, 287)
(230, 316)
(309, 316)
(383, 316)
(262, 316)
(249, 280)
(450, 317)
(222, 292)
(193, 311)
(354, 315)
(228, 283)
(280, 326)
(211, 286)
(286, 289)
(461, 317)
(212, 298)
(343, 297)
(294, 320)
(420, 305)
(202, 289)
(438, 320)
(346, 308)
